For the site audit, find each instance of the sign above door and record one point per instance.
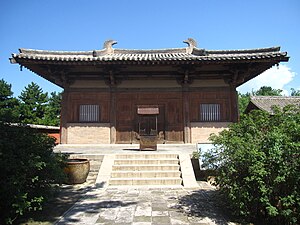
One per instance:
(148, 110)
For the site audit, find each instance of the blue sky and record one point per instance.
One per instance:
(136, 24)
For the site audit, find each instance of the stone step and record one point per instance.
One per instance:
(143, 167)
(145, 174)
(145, 161)
(95, 160)
(92, 163)
(95, 157)
(95, 164)
(94, 167)
(146, 169)
(92, 175)
(146, 181)
(147, 156)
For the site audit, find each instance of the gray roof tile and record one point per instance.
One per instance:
(267, 102)
(159, 55)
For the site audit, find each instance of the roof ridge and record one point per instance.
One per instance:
(149, 51)
(50, 52)
(255, 50)
(196, 51)
(271, 96)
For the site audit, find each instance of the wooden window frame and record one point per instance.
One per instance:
(89, 113)
(210, 112)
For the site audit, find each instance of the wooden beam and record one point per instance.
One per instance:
(64, 118)
(113, 115)
(186, 109)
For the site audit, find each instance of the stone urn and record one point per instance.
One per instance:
(77, 170)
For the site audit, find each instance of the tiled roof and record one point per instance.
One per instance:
(267, 102)
(177, 55)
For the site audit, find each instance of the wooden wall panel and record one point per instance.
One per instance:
(210, 96)
(75, 99)
(174, 112)
(170, 103)
(124, 117)
(174, 134)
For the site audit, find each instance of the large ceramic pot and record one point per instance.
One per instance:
(77, 170)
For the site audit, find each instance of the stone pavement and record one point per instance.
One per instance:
(104, 149)
(145, 206)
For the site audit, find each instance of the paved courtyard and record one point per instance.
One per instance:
(105, 149)
(142, 205)
(145, 206)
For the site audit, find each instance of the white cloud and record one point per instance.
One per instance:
(275, 77)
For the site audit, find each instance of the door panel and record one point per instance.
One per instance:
(169, 119)
(148, 123)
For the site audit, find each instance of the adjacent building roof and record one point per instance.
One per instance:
(36, 126)
(266, 103)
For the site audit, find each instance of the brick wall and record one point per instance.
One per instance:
(200, 131)
(56, 136)
(88, 133)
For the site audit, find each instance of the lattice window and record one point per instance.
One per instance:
(210, 112)
(89, 113)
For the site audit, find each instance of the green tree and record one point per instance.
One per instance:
(33, 104)
(257, 162)
(52, 115)
(9, 106)
(29, 171)
(295, 92)
(267, 91)
(243, 101)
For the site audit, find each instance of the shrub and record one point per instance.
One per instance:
(29, 168)
(258, 166)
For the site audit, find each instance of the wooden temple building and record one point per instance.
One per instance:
(177, 95)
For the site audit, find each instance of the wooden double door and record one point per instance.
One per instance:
(130, 124)
(169, 118)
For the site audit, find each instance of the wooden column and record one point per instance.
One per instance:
(113, 119)
(186, 113)
(64, 117)
(233, 97)
(234, 103)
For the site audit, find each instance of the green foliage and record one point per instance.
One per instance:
(295, 92)
(8, 105)
(33, 104)
(29, 169)
(267, 91)
(52, 114)
(195, 155)
(38, 108)
(258, 165)
(243, 101)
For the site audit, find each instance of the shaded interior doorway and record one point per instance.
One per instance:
(149, 124)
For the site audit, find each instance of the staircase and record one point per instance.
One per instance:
(146, 169)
